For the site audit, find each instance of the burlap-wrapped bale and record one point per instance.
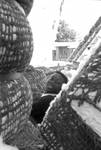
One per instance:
(15, 108)
(37, 80)
(26, 5)
(16, 47)
(16, 42)
(15, 104)
(73, 120)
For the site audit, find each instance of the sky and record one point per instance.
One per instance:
(79, 14)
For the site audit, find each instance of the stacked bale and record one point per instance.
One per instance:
(37, 80)
(66, 124)
(16, 48)
(26, 5)
(73, 119)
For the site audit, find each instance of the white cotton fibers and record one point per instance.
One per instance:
(4, 146)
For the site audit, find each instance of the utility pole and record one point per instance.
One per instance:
(56, 22)
(61, 6)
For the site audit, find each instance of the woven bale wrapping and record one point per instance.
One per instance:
(62, 127)
(37, 80)
(16, 42)
(26, 5)
(29, 138)
(15, 106)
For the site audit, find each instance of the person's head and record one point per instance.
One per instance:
(55, 82)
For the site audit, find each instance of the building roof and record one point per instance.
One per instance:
(68, 44)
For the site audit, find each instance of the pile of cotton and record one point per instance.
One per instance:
(3, 146)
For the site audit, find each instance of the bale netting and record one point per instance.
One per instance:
(26, 5)
(73, 120)
(16, 41)
(37, 80)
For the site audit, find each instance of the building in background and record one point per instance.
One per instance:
(62, 50)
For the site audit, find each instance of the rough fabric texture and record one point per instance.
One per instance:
(15, 105)
(29, 138)
(62, 127)
(27, 5)
(37, 80)
(16, 47)
(46, 70)
(16, 42)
